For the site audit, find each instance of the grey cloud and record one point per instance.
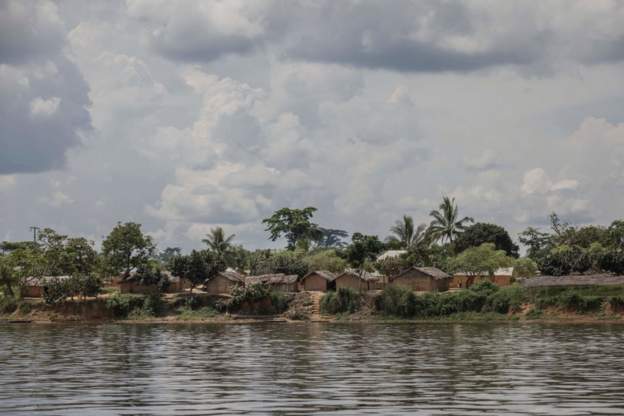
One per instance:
(43, 97)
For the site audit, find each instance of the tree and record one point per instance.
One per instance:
(80, 256)
(168, 254)
(8, 277)
(294, 224)
(446, 224)
(537, 242)
(363, 249)
(126, 247)
(287, 262)
(218, 242)
(406, 235)
(616, 234)
(480, 233)
(325, 260)
(197, 267)
(330, 237)
(524, 267)
(481, 261)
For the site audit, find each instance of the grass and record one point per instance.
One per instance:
(188, 314)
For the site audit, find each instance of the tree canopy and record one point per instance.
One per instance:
(126, 247)
(294, 224)
(447, 224)
(479, 233)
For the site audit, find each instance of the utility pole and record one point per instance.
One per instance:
(35, 230)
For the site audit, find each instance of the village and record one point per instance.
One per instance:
(452, 266)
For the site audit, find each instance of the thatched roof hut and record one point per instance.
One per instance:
(318, 281)
(359, 280)
(277, 281)
(422, 279)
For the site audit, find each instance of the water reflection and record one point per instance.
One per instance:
(445, 369)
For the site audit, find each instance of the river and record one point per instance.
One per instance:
(300, 369)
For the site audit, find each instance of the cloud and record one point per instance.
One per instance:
(404, 36)
(43, 97)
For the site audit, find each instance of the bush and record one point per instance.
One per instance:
(505, 300)
(485, 287)
(397, 301)
(462, 301)
(616, 302)
(258, 299)
(153, 305)
(343, 301)
(574, 302)
(57, 290)
(8, 304)
(122, 304)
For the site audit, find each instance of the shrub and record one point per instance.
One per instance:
(57, 290)
(24, 308)
(122, 304)
(8, 304)
(185, 313)
(616, 302)
(462, 301)
(258, 299)
(484, 287)
(343, 301)
(153, 305)
(505, 300)
(397, 301)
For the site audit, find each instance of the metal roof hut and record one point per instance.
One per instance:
(318, 281)
(422, 279)
(224, 282)
(278, 281)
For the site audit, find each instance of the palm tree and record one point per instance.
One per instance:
(445, 224)
(406, 234)
(217, 241)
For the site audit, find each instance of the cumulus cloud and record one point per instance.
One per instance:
(426, 36)
(43, 97)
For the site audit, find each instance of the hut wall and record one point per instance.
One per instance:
(315, 283)
(219, 285)
(414, 282)
(32, 291)
(502, 280)
(349, 281)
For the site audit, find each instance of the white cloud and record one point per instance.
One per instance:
(40, 107)
(57, 199)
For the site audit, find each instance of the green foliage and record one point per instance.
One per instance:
(198, 266)
(188, 314)
(218, 243)
(505, 299)
(391, 266)
(287, 262)
(363, 248)
(481, 233)
(294, 224)
(524, 267)
(8, 304)
(446, 224)
(325, 260)
(56, 290)
(397, 301)
(126, 247)
(153, 305)
(406, 236)
(481, 261)
(121, 304)
(331, 238)
(343, 301)
(258, 299)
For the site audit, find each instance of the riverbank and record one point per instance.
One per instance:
(483, 304)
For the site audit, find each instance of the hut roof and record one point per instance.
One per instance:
(233, 276)
(574, 280)
(329, 276)
(429, 271)
(366, 276)
(41, 280)
(389, 254)
(272, 279)
(503, 271)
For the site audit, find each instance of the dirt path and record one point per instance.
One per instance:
(315, 297)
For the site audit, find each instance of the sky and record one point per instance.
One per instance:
(186, 115)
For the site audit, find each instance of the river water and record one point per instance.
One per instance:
(373, 369)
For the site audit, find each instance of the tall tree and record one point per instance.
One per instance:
(446, 224)
(406, 235)
(330, 237)
(126, 247)
(294, 224)
(197, 267)
(217, 241)
(480, 233)
(362, 250)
